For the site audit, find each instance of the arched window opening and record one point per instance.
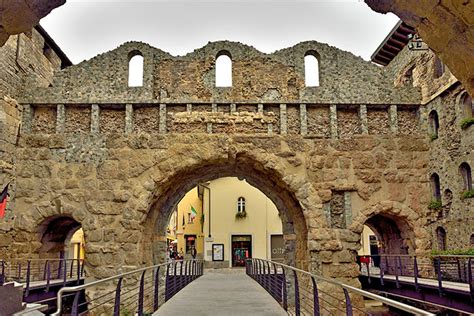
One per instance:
(223, 70)
(467, 105)
(435, 187)
(466, 175)
(439, 68)
(241, 205)
(311, 70)
(434, 124)
(135, 69)
(472, 240)
(441, 238)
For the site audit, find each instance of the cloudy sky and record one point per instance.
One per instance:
(85, 28)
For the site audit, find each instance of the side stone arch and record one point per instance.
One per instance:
(410, 224)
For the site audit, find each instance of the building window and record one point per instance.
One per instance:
(135, 69)
(190, 242)
(439, 68)
(223, 69)
(465, 171)
(311, 69)
(241, 205)
(434, 124)
(435, 187)
(467, 106)
(472, 240)
(441, 238)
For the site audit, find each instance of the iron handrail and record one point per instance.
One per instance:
(387, 301)
(114, 277)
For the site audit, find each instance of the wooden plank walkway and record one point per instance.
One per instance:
(222, 292)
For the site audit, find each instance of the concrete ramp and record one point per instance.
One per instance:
(222, 292)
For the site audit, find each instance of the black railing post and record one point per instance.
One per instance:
(415, 272)
(141, 294)
(396, 273)
(181, 280)
(75, 304)
(440, 278)
(48, 275)
(72, 267)
(28, 276)
(156, 289)
(284, 293)
(167, 282)
(381, 267)
(470, 278)
(78, 271)
(117, 297)
(2, 276)
(316, 310)
(297, 294)
(65, 272)
(348, 303)
(44, 271)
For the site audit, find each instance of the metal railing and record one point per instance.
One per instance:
(302, 293)
(138, 292)
(42, 273)
(445, 268)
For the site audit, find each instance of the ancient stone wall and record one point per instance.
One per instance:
(450, 146)
(117, 159)
(277, 77)
(22, 60)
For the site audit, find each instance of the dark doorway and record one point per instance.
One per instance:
(241, 249)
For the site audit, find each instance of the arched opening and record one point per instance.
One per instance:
(224, 228)
(311, 69)
(383, 237)
(61, 238)
(269, 183)
(135, 69)
(435, 187)
(472, 240)
(465, 171)
(441, 238)
(434, 124)
(223, 69)
(467, 106)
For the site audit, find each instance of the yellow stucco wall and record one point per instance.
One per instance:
(365, 247)
(195, 228)
(262, 217)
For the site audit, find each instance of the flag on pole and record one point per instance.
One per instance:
(3, 201)
(193, 213)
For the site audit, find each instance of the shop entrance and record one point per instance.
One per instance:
(241, 249)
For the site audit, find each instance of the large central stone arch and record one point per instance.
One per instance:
(257, 171)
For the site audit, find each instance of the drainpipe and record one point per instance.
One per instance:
(209, 189)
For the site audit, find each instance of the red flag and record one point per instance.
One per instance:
(3, 201)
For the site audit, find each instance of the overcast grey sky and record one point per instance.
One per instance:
(85, 28)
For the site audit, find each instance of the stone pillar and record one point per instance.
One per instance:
(128, 119)
(283, 120)
(95, 118)
(303, 120)
(27, 119)
(60, 118)
(364, 126)
(209, 124)
(162, 122)
(233, 108)
(393, 119)
(189, 108)
(423, 119)
(333, 120)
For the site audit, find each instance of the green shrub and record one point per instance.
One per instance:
(467, 122)
(241, 215)
(435, 205)
(434, 137)
(453, 252)
(468, 194)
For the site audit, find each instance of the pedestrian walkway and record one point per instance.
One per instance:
(222, 292)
